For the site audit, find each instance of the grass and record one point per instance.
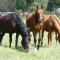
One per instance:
(44, 53)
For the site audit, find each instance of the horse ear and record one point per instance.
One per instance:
(37, 7)
(41, 6)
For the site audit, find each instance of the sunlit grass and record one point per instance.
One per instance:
(44, 53)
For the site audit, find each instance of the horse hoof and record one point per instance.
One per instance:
(9, 46)
(0, 44)
(37, 48)
(49, 46)
(16, 47)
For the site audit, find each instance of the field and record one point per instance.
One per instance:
(44, 53)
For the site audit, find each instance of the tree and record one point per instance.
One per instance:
(53, 4)
(28, 3)
(23, 4)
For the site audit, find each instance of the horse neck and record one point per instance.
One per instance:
(57, 19)
(56, 25)
(36, 16)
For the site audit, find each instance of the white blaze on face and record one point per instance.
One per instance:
(41, 13)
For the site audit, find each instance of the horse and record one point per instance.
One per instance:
(11, 23)
(59, 24)
(34, 23)
(50, 25)
(47, 25)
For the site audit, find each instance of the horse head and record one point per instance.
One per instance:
(39, 13)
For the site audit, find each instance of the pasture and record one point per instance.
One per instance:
(44, 53)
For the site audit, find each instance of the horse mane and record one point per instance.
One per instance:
(19, 20)
(57, 19)
(36, 17)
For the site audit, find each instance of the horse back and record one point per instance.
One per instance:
(7, 22)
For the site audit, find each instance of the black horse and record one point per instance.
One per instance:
(11, 23)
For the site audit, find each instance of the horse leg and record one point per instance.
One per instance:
(49, 39)
(56, 37)
(29, 36)
(16, 41)
(1, 37)
(40, 39)
(34, 38)
(10, 40)
(38, 43)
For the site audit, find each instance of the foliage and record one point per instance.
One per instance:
(53, 4)
(7, 5)
(26, 5)
(29, 1)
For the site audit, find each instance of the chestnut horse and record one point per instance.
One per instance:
(58, 20)
(48, 25)
(51, 24)
(34, 23)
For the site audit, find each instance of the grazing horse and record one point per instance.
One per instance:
(34, 23)
(51, 24)
(11, 23)
(59, 24)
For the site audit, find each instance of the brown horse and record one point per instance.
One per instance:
(48, 21)
(34, 23)
(51, 24)
(58, 20)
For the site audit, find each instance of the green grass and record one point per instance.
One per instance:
(44, 53)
